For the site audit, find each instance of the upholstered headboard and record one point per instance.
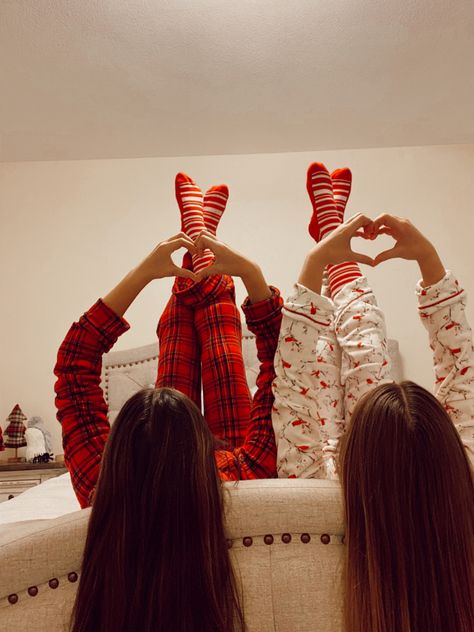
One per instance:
(126, 372)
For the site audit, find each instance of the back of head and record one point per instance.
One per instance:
(156, 555)
(409, 505)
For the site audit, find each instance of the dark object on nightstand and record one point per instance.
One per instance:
(43, 458)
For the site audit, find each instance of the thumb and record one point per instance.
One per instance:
(205, 240)
(182, 272)
(391, 253)
(214, 268)
(360, 258)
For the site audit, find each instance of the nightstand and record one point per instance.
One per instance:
(16, 478)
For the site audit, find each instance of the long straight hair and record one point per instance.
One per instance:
(156, 556)
(409, 510)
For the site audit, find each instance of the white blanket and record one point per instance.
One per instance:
(51, 499)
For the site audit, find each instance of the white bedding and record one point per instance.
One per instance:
(51, 499)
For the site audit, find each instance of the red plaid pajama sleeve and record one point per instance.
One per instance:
(82, 410)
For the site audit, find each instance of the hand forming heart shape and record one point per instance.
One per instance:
(410, 243)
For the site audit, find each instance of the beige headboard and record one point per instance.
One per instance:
(126, 372)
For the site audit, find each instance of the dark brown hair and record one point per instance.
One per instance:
(409, 509)
(156, 556)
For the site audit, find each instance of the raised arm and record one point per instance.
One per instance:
(308, 414)
(442, 303)
(82, 410)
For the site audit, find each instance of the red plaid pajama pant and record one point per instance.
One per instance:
(200, 338)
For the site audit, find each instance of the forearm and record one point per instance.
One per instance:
(311, 275)
(255, 283)
(124, 293)
(431, 267)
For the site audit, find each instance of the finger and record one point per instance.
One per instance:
(214, 268)
(360, 221)
(182, 242)
(207, 233)
(385, 230)
(181, 236)
(391, 221)
(367, 232)
(182, 272)
(178, 236)
(360, 258)
(204, 241)
(391, 253)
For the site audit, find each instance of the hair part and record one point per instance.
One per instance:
(409, 510)
(156, 556)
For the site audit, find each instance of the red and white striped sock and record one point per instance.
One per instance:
(342, 273)
(325, 217)
(341, 186)
(215, 201)
(190, 202)
(328, 213)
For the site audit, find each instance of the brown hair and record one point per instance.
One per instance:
(409, 509)
(156, 556)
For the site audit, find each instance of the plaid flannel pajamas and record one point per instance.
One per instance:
(200, 332)
(329, 355)
(179, 363)
(82, 410)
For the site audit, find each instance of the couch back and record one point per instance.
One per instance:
(286, 547)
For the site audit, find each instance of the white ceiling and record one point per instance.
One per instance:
(129, 78)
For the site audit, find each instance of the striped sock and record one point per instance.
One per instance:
(215, 202)
(341, 185)
(339, 275)
(325, 217)
(329, 195)
(190, 203)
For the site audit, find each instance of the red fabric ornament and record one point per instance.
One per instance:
(15, 431)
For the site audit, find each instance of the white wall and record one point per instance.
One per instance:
(70, 230)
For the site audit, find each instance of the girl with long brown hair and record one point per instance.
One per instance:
(405, 459)
(156, 556)
(406, 472)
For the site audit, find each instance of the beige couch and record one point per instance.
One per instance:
(286, 536)
(287, 550)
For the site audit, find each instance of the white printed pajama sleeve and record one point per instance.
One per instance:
(308, 408)
(442, 312)
(361, 334)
